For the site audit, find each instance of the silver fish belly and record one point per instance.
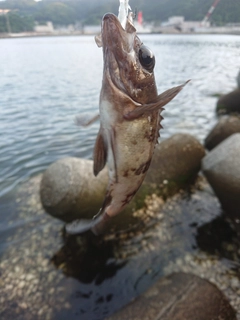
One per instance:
(129, 118)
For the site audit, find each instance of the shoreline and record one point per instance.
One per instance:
(36, 35)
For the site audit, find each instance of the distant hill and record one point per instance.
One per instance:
(64, 12)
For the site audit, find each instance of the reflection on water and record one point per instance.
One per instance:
(45, 82)
(87, 259)
(219, 238)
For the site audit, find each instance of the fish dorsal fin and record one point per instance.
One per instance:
(160, 102)
(100, 154)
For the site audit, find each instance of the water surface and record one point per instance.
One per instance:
(45, 82)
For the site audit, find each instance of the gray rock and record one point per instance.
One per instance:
(179, 297)
(229, 103)
(226, 126)
(222, 169)
(176, 161)
(238, 79)
(69, 189)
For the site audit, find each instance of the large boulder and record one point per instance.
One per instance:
(226, 126)
(176, 161)
(229, 103)
(221, 167)
(179, 297)
(69, 189)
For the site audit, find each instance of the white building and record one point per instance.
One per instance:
(179, 23)
(47, 28)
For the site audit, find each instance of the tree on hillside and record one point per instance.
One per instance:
(57, 12)
(64, 12)
(15, 23)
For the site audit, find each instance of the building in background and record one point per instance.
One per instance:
(44, 29)
(177, 24)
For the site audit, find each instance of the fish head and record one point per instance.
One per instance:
(128, 63)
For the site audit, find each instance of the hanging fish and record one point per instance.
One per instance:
(129, 116)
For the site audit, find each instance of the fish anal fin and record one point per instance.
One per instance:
(100, 154)
(161, 101)
(85, 119)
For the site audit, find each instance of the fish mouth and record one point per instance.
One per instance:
(120, 47)
(114, 36)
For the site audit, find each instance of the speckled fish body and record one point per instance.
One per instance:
(129, 143)
(129, 117)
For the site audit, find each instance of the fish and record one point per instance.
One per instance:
(130, 118)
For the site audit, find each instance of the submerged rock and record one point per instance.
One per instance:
(226, 126)
(179, 296)
(221, 167)
(229, 103)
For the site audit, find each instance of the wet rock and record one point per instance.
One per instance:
(226, 126)
(176, 161)
(179, 297)
(238, 79)
(161, 250)
(229, 103)
(68, 187)
(222, 169)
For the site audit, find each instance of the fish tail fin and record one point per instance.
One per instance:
(97, 225)
(101, 224)
(79, 226)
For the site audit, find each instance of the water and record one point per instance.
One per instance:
(45, 82)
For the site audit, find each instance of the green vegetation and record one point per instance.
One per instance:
(15, 23)
(64, 12)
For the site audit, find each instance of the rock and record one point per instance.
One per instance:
(226, 126)
(176, 161)
(238, 79)
(69, 189)
(229, 103)
(179, 297)
(221, 167)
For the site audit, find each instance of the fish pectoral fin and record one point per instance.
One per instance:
(98, 40)
(160, 102)
(99, 154)
(85, 119)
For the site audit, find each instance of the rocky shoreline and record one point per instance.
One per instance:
(174, 249)
(176, 164)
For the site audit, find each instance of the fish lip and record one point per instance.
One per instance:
(109, 22)
(114, 35)
(111, 17)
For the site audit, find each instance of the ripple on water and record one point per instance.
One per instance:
(45, 82)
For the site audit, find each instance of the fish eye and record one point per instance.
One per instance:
(146, 58)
